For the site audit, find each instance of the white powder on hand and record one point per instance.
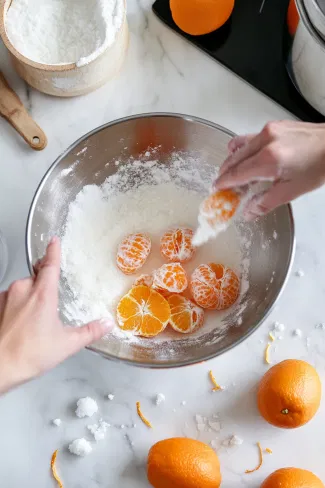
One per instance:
(86, 407)
(80, 447)
(61, 31)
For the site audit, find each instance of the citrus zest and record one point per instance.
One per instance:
(268, 450)
(53, 469)
(248, 471)
(216, 387)
(142, 417)
(271, 336)
(267, 354)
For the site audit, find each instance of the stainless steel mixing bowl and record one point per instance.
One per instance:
(272, 246)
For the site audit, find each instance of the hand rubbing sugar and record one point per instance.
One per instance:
(80, 447)
(86, 407)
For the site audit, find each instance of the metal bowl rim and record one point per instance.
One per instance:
(189, 118)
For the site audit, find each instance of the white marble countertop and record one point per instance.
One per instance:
(162, 73)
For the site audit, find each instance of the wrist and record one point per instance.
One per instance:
(8, 374)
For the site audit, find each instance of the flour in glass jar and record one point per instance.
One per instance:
(142, 196)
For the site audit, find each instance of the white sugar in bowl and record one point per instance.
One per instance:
(65, 79)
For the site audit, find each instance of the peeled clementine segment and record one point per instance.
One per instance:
(186, 316)
(144, 279)
(176, 245)
(198, 17)
(171, 278)
(143, 311)
(133, 252)
(220, 207)
(214, 286)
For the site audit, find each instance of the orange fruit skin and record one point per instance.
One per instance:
(292, 18)
(292, 478)
(214, 286)
(143, 311)
(289, 394)
(183, 463)
(198, 17)
(186, 316)
(176, 245)
(170, 277)
(133, 252)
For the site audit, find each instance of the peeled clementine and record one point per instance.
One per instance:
(185, 315)
(133, 252)
(143, 311)
(176, 245)
(214, 286)
(289, 394)
(183, 463)
(292, 478)
(197, 17)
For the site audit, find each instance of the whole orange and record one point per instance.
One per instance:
(292, 478)
(197, 17)
(183, 463)
(289, 394)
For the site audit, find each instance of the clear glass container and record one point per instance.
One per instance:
(3, 257)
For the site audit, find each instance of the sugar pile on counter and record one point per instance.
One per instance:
(80, 447)
(86, 407)
(60, 31)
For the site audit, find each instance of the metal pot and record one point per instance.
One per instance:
(316, 13)
(308, 60)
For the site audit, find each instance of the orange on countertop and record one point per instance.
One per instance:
(214, 286)
(198, 17)
(133, 252)
(292, 478)
(289, 394)
(143, 311)
(183, 463)
(292, 17)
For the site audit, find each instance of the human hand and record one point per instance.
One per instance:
(32, 337)
(289, 155)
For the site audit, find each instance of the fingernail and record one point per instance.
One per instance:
(53, 240)
(107, 322)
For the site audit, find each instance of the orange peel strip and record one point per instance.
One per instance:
(268, 450)
(142, 417)
(53, 469)
(248, 471)
(267, 354)
(271, 336)
(216, 387)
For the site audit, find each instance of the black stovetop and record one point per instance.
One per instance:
(255, 45)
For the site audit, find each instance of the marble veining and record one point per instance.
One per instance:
(162, 73)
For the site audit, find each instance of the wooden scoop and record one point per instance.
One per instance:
(12, 109)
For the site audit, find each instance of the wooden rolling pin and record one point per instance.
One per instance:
(12, 109)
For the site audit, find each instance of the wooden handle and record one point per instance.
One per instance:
(12, 109)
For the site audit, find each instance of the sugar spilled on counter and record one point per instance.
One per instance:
(80, 447)
(86, 407)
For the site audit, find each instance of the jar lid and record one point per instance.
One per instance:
(3, 257)
(316, 13)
